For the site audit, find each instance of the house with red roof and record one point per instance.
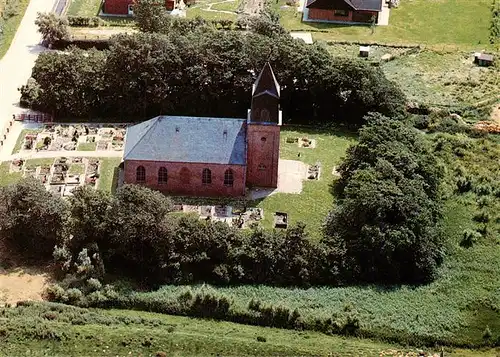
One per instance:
(343, 11)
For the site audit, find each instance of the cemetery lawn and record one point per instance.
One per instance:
(453, 22)
(88, 8)
(108, 174)
(5, 177)
(312, 205)
(124, 332)
(87, 146)
(76, 169)
(9, 27)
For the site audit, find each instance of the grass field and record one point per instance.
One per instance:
(86, 147)
(58, 330)
(108, 174)
(84, 8)
(456, 22)
(312, 205)
(432, 77)
(5, 177)
(9, 26)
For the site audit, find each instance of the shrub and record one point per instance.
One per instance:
(482, 217)
(469, 238)
(74, 295)
(261, 339)
(52, 27)
(11, 9)
(464, 184)
(84, 21)
(487, 333)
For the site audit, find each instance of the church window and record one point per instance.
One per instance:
(263, 139)
(140, 174)
(264, 115)
(185, 175)
(228, 178)
(262, 167)
(162, 175)
(206, 177)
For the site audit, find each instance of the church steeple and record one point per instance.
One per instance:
(265, 98)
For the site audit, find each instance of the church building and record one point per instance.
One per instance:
(199, 156)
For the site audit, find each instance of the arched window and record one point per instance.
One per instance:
(162, 176)
(262, 167)
(140, 174)
(185, 175)
(228, 178)
(264, 115)
(206, 177)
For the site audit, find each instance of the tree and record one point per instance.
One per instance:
(52, 27)
(388, 217)
(32, 220)
(151, 16)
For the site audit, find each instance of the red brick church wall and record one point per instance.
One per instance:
(263, 155)
(179, 185)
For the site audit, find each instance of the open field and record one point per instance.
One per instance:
(456, 22)
(57, 330)
(9, 25)
(432, 77)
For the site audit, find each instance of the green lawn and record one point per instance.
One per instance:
(9, 27)
(76, 169)
(86, 147)
(108, 174)
(234, 5)
(312, 205)
(57, 330)
(5, 177)
(84, 8)
(454, 22)
(193, 12)
(39, 162)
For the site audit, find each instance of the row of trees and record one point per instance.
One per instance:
(148, 74)
(389, 212)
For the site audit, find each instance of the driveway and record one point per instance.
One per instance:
(16, 65)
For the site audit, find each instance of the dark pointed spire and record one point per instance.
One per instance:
(266, 83)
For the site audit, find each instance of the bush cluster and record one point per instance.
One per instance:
(388, 218)
(495, 22)
(85, 21)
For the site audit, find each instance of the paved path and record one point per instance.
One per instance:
(16, 65)
(54, 154)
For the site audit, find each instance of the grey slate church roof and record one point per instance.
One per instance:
(188, 139)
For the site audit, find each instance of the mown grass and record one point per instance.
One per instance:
(9, 27)
(76, 169)
(7, 178)
(43, 329)
(86, 147)
(312, 205)
(84, 8)
(227, 6)
(455, 22)
(108, 174)
(194, 12)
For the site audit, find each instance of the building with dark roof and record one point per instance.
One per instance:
(349, 11)
(200, 156)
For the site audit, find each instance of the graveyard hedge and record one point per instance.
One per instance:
(144, 75)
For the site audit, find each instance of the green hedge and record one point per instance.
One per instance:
(83, 21)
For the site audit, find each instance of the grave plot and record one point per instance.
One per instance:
(118, 139)
(280, 220)
(92, 171)
(43, 173)
(29, 142)
(59, 171)
(314, 171)
(307, 143)
(43, 142)
(16, 166)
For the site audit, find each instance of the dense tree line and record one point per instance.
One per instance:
(147, 74)
(388, 217)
